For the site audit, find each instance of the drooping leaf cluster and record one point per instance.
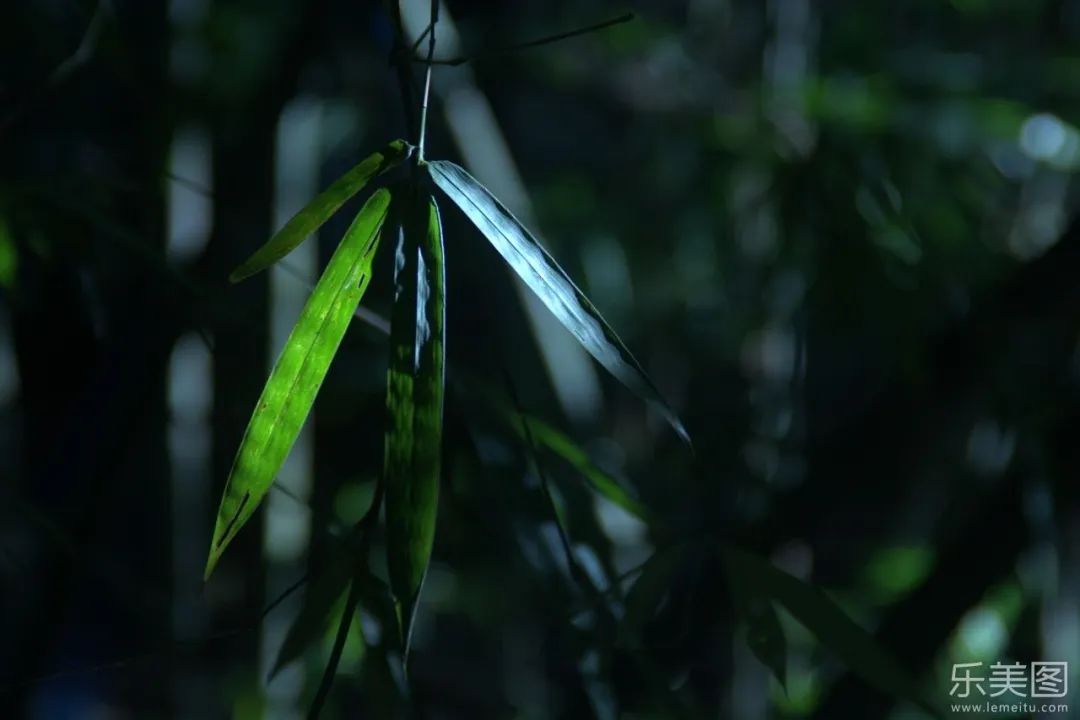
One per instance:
(406, 211)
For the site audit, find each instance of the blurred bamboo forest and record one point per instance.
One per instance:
(840, 237)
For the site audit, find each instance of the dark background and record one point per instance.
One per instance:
(839, 236)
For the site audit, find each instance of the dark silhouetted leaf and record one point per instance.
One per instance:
(553, 286)
(315, 614)
(347, 561)
(647, 593)
(764, 634)
(319, 210)
(295, 380)
(561, 445)
(414, 400)
(831, 625)
(766, 638)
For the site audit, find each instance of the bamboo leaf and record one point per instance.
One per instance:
(764, 634)
(648, 591)
(295, 380)
(557, 442)
(319, 210)
(414, 401)
(550, 283)
(600, 481)
(315, 614)
(859, 650)
(326, 592)
(766, 638)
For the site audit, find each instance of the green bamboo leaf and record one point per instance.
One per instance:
(289, 393)
(831, 625)
(325, 594)
(765, 637)
(764, 634)
(648, 591)
(557, 442)
(600, 481)
(319, 210)
(315, 614)
(414, 401)
(550, 283)
(378, 601)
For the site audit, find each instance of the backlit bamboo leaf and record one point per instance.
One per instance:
(550, 283)
(833, 628)
(414, 400)
(319, 210)
(289, 393)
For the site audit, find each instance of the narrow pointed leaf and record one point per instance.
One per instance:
(414, 401)
(601, 482)
(295, 380)
(550, 283)
(766, 638)
(764, 634)
(324, 595)
(315, 614)
(648, 591)
(319, 210)
(557, 442)
(859, 650)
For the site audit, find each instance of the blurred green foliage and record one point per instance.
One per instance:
(840, 237)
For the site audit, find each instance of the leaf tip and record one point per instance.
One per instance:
(217, 548)
(278, 665)
(675, 423)
(683, 434)
(406, 611)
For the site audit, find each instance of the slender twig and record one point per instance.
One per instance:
(278, 486)
(143, 657)
(333, 527)
(427, 82)
(300, 582)
(363, 529)
(613, 590)
(579, 576)
(420, 39)
(187, 183)
(546, 40)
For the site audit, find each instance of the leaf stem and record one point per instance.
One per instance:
(427, 82)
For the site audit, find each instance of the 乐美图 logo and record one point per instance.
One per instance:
(1037, 680)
